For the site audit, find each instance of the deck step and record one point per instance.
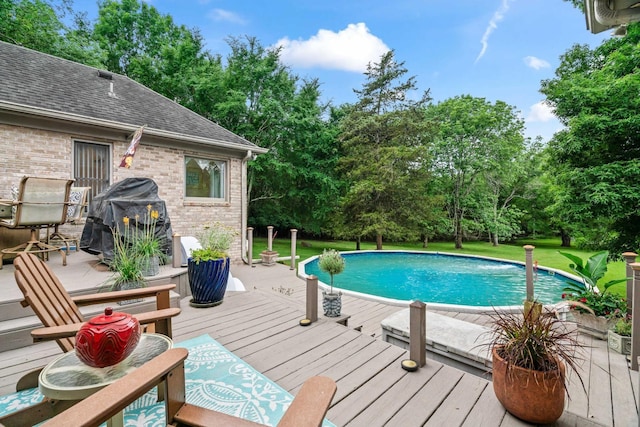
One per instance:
(16, 331)
(451, 341)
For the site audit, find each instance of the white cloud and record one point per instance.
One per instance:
(226, 16)
(498, 16)
(350, 49)
(540, 112)
(536, 63)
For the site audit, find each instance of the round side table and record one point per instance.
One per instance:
(68, 378)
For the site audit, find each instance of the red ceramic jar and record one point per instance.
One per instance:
(107, 339)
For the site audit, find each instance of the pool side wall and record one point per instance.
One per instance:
(436, 306)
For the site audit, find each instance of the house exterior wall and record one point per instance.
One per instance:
(35, 152)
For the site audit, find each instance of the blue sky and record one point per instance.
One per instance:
(494, 49)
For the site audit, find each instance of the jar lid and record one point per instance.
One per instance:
(108, 317)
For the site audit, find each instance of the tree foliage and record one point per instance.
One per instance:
(38, 25)
(475, 149)
(596, 159)
(385, 162)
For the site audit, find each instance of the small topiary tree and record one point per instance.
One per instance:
(331, 262)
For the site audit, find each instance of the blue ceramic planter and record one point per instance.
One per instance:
(208, 281)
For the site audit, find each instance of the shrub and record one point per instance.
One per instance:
(331, 262)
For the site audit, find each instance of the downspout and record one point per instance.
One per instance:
(244, 207)
(612, 17)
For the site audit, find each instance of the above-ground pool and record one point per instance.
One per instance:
(440, 278)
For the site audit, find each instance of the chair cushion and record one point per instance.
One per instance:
(75, 197)
(15, 192)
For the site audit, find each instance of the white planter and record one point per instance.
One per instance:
(619, 343)
(596, 326)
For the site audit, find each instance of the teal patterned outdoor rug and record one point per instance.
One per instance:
(215, 378)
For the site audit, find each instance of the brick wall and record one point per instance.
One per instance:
(27, 151)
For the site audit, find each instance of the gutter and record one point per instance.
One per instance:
(244, 207)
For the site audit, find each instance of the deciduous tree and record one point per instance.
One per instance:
(596, 159)
(475, 140)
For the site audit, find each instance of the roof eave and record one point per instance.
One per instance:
(29, 110)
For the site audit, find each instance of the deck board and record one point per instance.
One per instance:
(350, 406)
(600, 386)
(455, 409)
(303, 361)
(486, 412)
(419, 407)
(385, 407)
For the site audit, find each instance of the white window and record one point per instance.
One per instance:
(205, 178)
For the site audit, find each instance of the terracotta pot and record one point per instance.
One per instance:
(107, 339)
(533, 396)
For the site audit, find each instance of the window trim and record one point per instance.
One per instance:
(226, 185)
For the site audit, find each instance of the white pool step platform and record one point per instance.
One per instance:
(451, 341)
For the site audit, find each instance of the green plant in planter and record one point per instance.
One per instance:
(145, 243)
(208, 267)
(215, 241)
(126, 262)
(330, 261)
(586, 297)
(530, 350)
(143, 239)
(623, 327)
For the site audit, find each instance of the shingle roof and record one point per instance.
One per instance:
(35, 79)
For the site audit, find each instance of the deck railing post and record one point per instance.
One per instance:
(176, 251)
(418, 332)
(629, 258)
(528, 258)
(293, 249)
(250, 245)
(270, 237)
(635, 318)
(312, 298)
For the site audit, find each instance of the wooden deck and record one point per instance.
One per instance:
(261, 326)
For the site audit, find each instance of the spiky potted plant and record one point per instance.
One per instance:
(530, 352)
(332, 262)
(125, 263)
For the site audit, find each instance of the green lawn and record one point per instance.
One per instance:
(545, 252)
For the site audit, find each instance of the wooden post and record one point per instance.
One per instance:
(312, 298)
(528, 257)
(270, 238)
(635, 318)
(630, 258)
(293, 249)
(418, 332)
(176, 251)
(250, 245)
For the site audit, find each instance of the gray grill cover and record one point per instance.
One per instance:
(127, 198)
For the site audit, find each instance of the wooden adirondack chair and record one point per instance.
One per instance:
(308, 408)
(59, 312)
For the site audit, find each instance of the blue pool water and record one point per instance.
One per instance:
(440, 278)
